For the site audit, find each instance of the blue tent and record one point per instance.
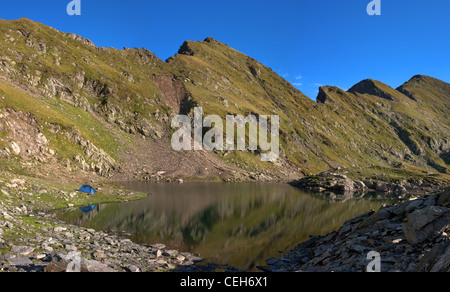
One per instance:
(87, 209)
(87, 189)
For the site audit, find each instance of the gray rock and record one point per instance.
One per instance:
(272, 261)
(158, 253)
(132, 269)
(170, 253)
(413, 205)
(22, 250)
(444, 199)
(92, 266)
(70, 247)
(423, 223)
(436, 260)
(20, 261)
(378, 216)
(60, 263)
(60, 229)
(158, 246)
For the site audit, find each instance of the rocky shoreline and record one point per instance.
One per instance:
(51, 241)
(57, 245)
(344, 182)
(408, 237)
(32, 240)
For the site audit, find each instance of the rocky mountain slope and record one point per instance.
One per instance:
(70, 106)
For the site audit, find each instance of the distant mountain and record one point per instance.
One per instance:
(108, 111)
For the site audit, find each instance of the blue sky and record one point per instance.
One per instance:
(309, 42)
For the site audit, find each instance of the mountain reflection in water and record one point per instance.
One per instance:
(240, 224)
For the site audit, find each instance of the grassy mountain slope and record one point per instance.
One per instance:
(108, 111)
(371, 124)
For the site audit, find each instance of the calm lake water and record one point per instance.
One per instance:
(240, 224)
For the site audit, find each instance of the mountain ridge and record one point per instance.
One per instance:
(130, 96)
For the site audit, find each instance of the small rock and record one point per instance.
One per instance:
(70, 247)
(180, 258)
(59, 229)
(158, 253)
(170, 253)
(158, 246)
(132, 269)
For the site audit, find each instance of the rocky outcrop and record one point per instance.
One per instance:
(408, 237)
(101, 162)
(185, 49)
(24, 137)
(337, 182)
(323, 96)
(81, 39)
(330, 182)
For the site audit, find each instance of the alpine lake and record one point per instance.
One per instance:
(238, 224)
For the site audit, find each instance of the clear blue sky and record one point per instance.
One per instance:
(309, 42)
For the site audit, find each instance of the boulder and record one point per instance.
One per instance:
(444, 198)
(20, 261)
(381, 215)
(424, 223)
(436, 260)
(22, 250)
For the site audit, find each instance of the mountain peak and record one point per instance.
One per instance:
(422, 79)
(186, 49)
(326, 94)
(211, 40)
(430, 87)
(376, 88)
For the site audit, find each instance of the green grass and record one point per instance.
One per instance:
(65, 116)
(357, 129)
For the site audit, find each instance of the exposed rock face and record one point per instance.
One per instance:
(102, 163)
(323, 97)
(174, 93)
(81, 39)
(186, 50)
(24, 135)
